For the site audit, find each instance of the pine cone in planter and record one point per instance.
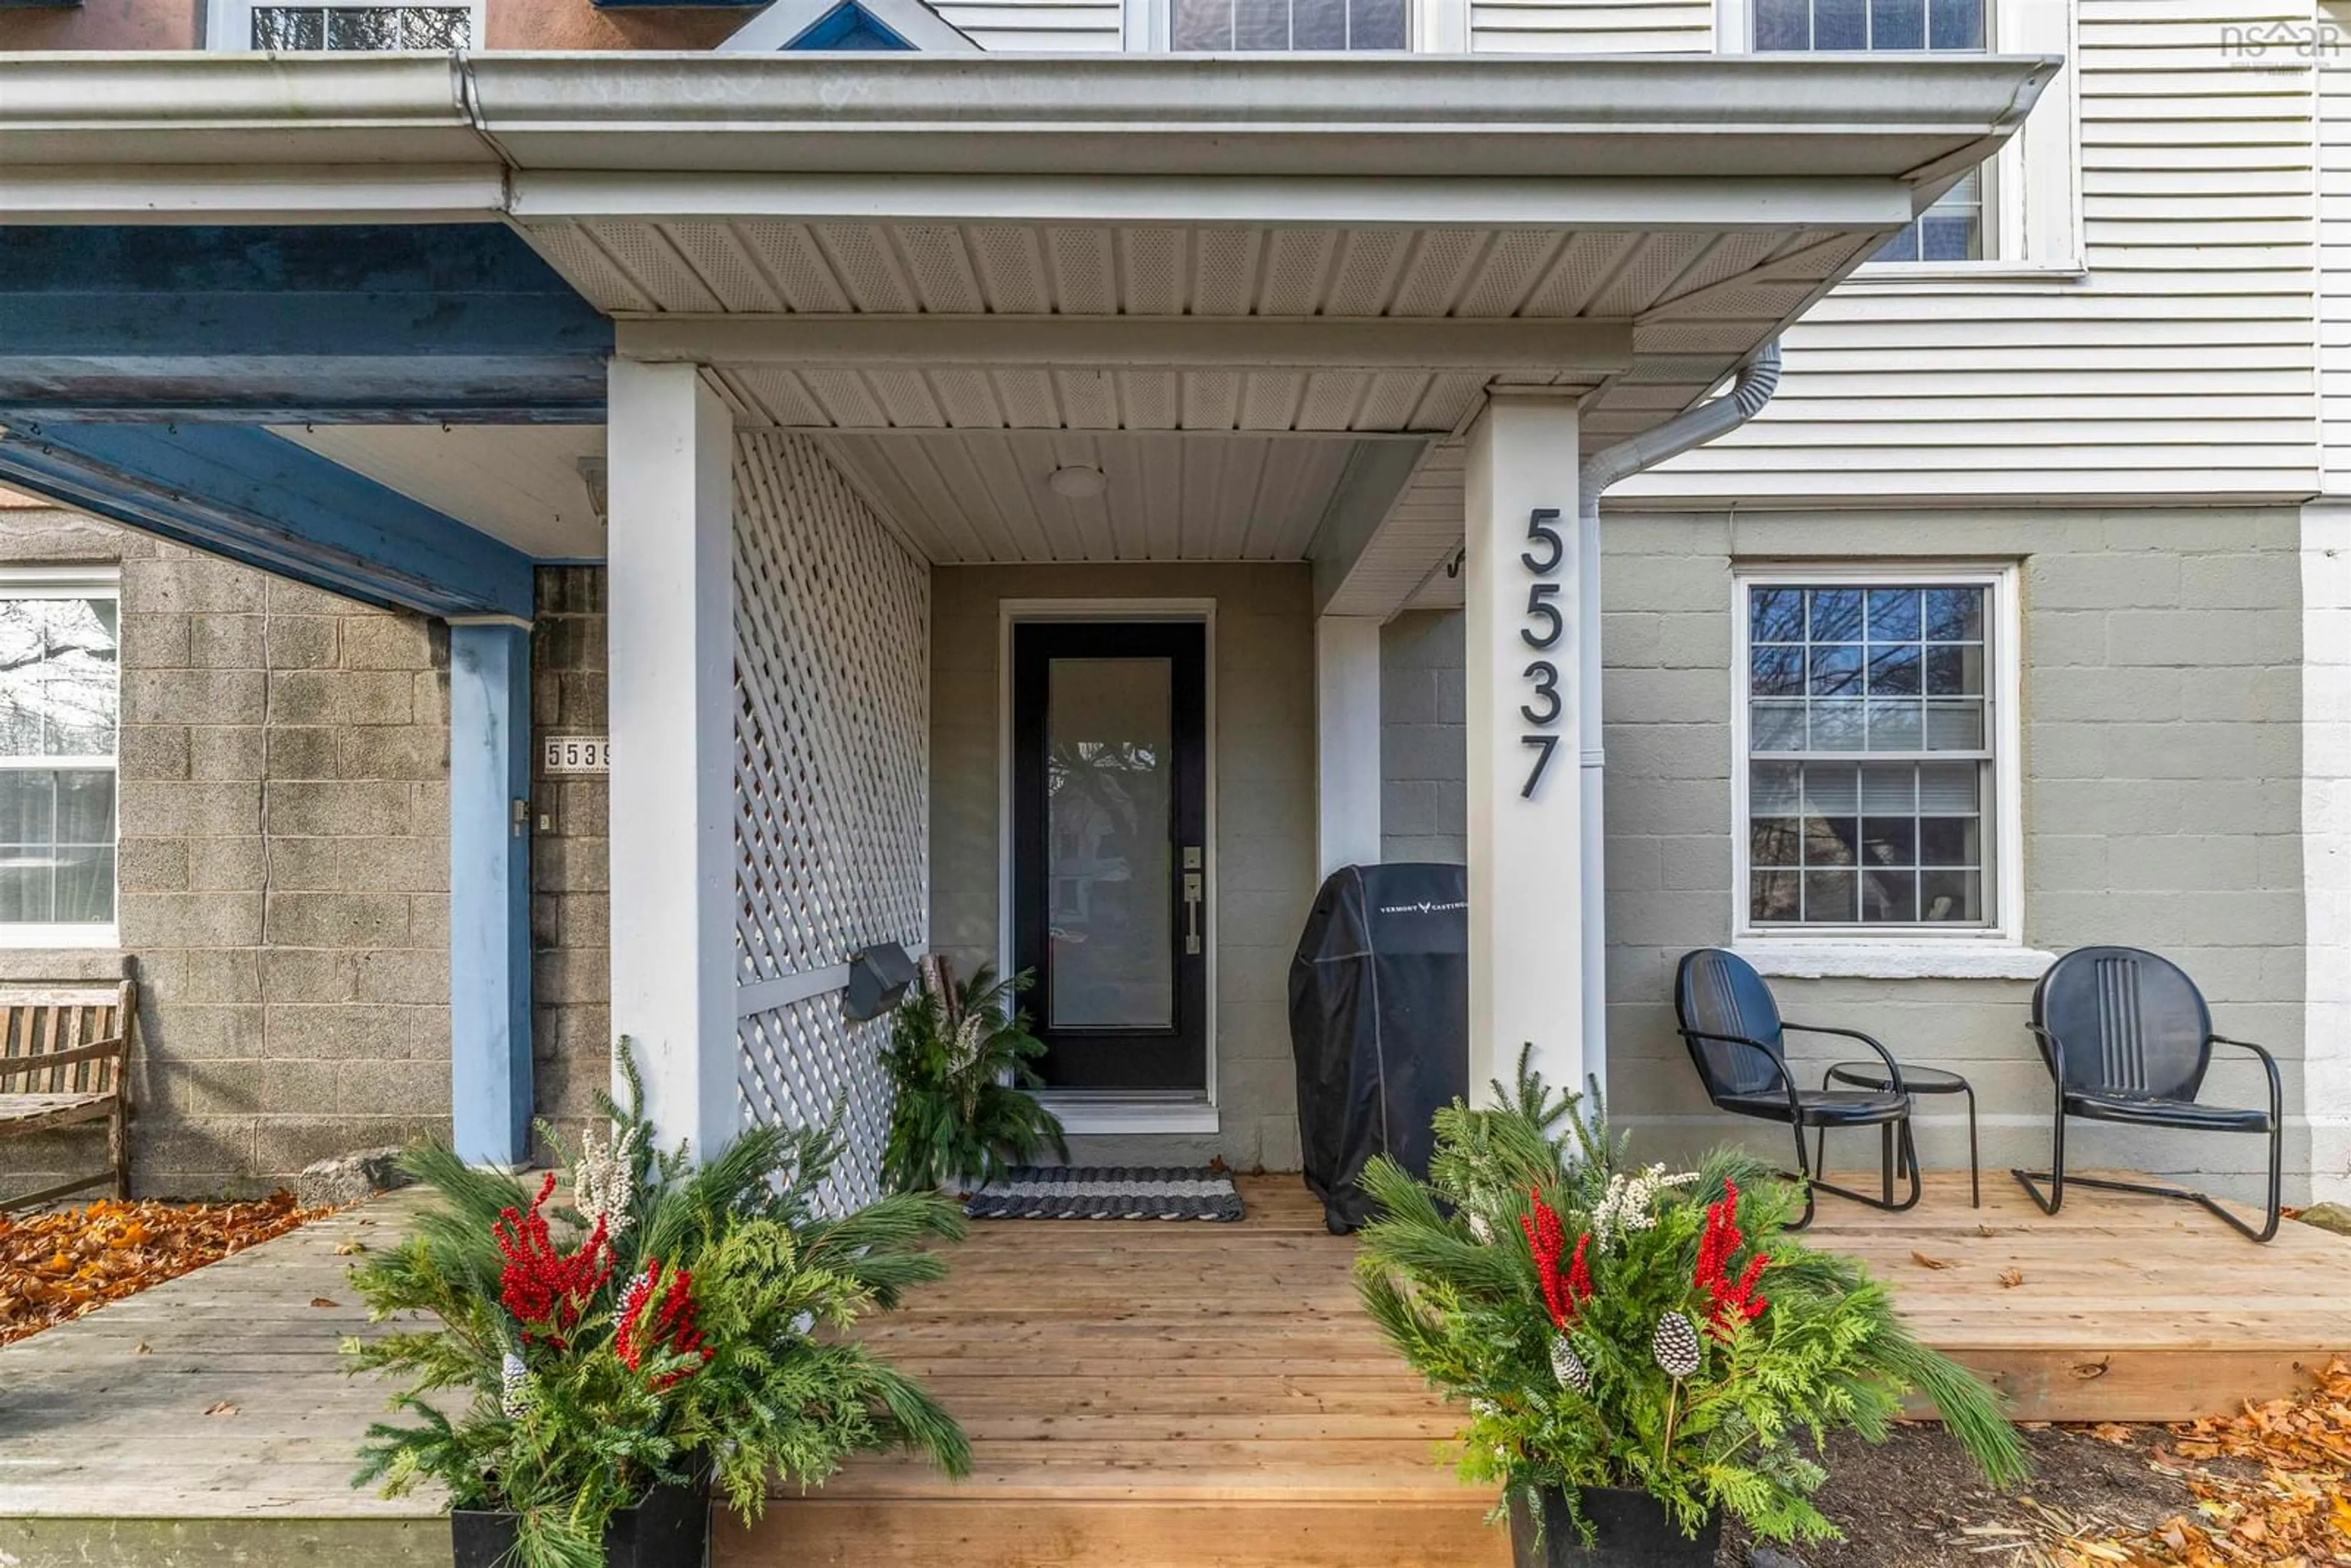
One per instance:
(1568, 1366)
(1676, 1345)
(516, 1395)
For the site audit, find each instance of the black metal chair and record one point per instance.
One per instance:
(1737, 1042)
(2126, 1037)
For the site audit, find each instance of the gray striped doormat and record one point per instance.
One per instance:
(1108, 1192)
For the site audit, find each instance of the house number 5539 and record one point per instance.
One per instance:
(1541, 632)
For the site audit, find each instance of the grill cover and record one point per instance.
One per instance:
(1379, 1023)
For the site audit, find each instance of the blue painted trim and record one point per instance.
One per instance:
(489, 892)
(258, 498)
(364, 323)
(849, 27)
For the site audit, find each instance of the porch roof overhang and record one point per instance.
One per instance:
(979, 251)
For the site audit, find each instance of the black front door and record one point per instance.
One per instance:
(1108, 849)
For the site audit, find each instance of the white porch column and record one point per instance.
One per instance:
(1347, 741)
(1522, 683)
(2326, 846)
(670, 453)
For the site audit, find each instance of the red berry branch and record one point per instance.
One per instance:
(1728, 1301)
(545, 1288)
(1563, 1293)
(672, 1330)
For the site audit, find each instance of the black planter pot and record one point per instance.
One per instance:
(1630, 1530)
(670, 1529)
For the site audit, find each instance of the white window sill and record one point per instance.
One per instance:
(51, 937)
(1956, 959)
(1952, 277)
(1093, 1113)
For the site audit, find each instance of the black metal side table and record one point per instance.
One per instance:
(1918, 1081)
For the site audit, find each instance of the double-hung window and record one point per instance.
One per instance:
(1226, 25)
(59, 709)
(1876, 746)
(1954, 228)
(344, 25)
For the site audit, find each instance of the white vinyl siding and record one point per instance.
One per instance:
(2334, 261)
(1038, 26)
(2180, 366)
(1591, 27)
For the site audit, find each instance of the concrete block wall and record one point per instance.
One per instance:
(284, 867)
(1423, 770)
(571, 872)
(1265, 882)
(2162, 802)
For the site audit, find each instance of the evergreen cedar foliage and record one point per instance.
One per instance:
(958, 1059)
(679, 1322)
(1616, 1327)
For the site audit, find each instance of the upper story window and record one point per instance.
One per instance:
(343, 25)
(1227, 25)
(1876, 781)
(1954, 228)
(59, 710)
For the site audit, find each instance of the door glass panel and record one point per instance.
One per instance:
(1109, 898)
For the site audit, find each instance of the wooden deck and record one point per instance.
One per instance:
(1180, 1396)
(1209, 1396)
(208, 1421)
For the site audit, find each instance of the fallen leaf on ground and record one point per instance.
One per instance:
(2009, 1279)
(1926, 1262)
(324, 1301)
(2113, 1432)
(220, 1407)
(350, 1248)
(2282, 1505)
(58, 1265)
(142, 1348)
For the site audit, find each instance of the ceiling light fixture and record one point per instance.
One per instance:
(1076, 481)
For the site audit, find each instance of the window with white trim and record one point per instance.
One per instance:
(1228, 25)
(1954, 228)
(59, 706)
(344, 27)
(1876, 786)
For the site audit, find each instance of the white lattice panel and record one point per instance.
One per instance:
(798, 1063)
(832, 766)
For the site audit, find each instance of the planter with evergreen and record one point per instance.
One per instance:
(592, 1371)
(1640, 1351)
(965, 1112)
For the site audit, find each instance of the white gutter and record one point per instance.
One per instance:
(1757, 380)
(1874, 118)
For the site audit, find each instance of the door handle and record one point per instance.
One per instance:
(1195, 891)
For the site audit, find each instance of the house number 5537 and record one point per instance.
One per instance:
(1541, 632)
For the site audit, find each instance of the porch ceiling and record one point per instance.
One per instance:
(520, 483)
(969, 496)
(1697, 300)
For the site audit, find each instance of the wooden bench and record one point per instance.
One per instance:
(65, 1059)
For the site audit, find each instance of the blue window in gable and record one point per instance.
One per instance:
(848, 25)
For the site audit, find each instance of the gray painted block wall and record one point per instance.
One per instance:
(2162, 798)
(1264, 724)
(1423, 770)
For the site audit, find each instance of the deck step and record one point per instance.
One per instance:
(953, 1533)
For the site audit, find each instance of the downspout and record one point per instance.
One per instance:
(1757, 379)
